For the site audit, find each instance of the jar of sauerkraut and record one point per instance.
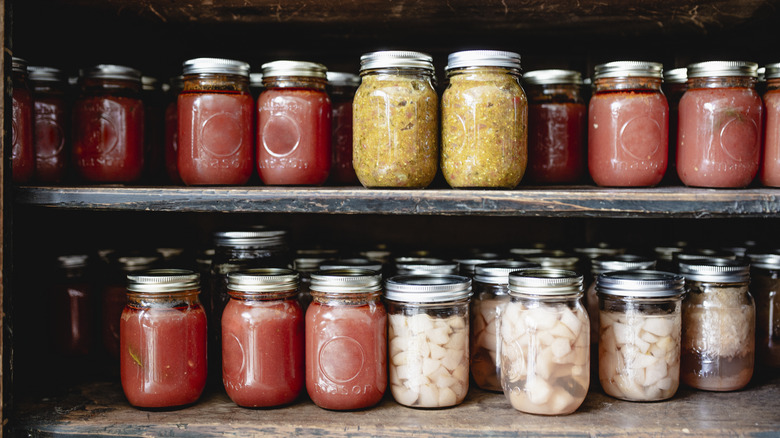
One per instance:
(428, 338)
(719, 317)
(545, 342)
(639, 334)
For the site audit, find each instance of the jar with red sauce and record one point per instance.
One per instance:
(262, 338)
(628, 129)
(52, 123)
(346, 340)
(108, 125)
(556, 126)
(216, 144)
(73, 307)
(294, 124)
(163, 339)
(770, 164)
(674, 86)
(172, 130)
(721, 120)
(22, 149)
(342, 87)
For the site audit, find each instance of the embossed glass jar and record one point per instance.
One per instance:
(52, 123)
(22, 149)
(770, 164)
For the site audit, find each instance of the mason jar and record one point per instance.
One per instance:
(674, 86)
(342, 88)
(22, 118)
(73, 305)
(428, 337)
(765, 287)
(171, 135)
(545, 348)
(770, 164)
(49, 87)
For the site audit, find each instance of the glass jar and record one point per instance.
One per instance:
(491, 294)
(256, 85)
(428, 338)
(720, 131)
(556, 126)
(628, 133)
(342, 92)
(262, 338)
(545, 348)
(108, 125)
(294, 124)
(215, 108)
(639, 334)
(719, 322)
(467, 267)
(172, 130)
(425, 265)
(674, 86)
(154, 129)
(396, 121)
(765, 285)
(52, 123)
(346, 340)
(73, 307)
(163, 339)
(588, 253)
(666, 256)
(22, 152)
(770, 165)
(484, 120)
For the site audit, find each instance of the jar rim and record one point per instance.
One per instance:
(640, 284)
(215, 65)
(772, 71)
(621, 262)
(425, 265)
(346, 281)
(498, 272)
(715, 270)
(256, 236)
(395, 59)
(342, 79)
(113, 71)
(263, 280)
(354, 262)
(676, 75)
(545, 282)
(553, 77)
(19, 64)
(286, 67)
(723, 69)
(163, 281)
(482, 58)
(40, 73)
(630, 69)
(764, 260)
(433, 288)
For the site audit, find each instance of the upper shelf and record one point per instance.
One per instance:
(574, 201)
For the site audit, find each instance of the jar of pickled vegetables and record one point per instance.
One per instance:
(770, 165)
(395, 121)
(765, 285)
(428, 337)
(718, 331)
(545, 342)
(484, 114)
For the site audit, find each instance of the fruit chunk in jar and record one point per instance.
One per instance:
(429, 365)
(485, 341)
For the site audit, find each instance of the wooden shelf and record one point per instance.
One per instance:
(99, 409)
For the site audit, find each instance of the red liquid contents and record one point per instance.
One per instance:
(719, 137)
(172, 143)
(163, 355)
(262, 352)
(628, 138)
(215, 137)
(346, 355)
(50, 127)
(22, 154)
(342, 171)
(294, 136)
(770, 165)
(72, 319)
(556, 142)
(108, 138)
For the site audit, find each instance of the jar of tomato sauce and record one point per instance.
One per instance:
(674, 86)
(721, 119)
(342, 93)
(262, 338)
(215, 123)
(346, 339)
(52, 123)
(628, 129)
(108, 125)
(556, 126)
(294, 124)
(770, 164)
(163, 339)
(22, 152)
(176, 84)
(484, 120)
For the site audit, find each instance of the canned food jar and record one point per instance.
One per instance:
(428, 339)
(491, 295)
(262, 338)
(628, 129)
(639, 334)
(108, 125)
(73, 305)
(770, 165)
(163, 339)
(342, 87)
(22, 118)
(294, 124)
(154, 129)
(674, 86)
(721, 120)
(396, 121)
(545, 342)
(216, 144)
(719, 322)
(556, 126)
(171, 134)
(52, 123)
(765, 285)
(484, 111)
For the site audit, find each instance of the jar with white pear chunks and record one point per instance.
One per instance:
(639, 334)
(545, 344)
(718, 332)
(428, 338)
(765, 287)
(491, 295)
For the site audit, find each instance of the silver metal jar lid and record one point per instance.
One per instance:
(348, 281)
(137, 263)
(640, 284)
(676, 75)
(468, 266)
(772, 71)
(632, 69)
(700, 253)
(591, 252)
(163, 281)
(396, 59)
(111, 71)
(18, 64)
(621, 262)
(149, 83)
(764, 260)
(723, 68)
(46, 74)
(715, 270)
(498, 272)
(263, 280)
(355, 262)
(215, 66)
(552, 77)
(482, 58)
(260, 237)
(554, 259)
(308, 264)
(424, 265)
(667, 253)
(73, 260)
(343, 79)
(294, 68)
(256, 80)
(428, 288)
(545, 282)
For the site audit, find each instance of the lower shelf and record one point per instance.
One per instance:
(100, 409)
